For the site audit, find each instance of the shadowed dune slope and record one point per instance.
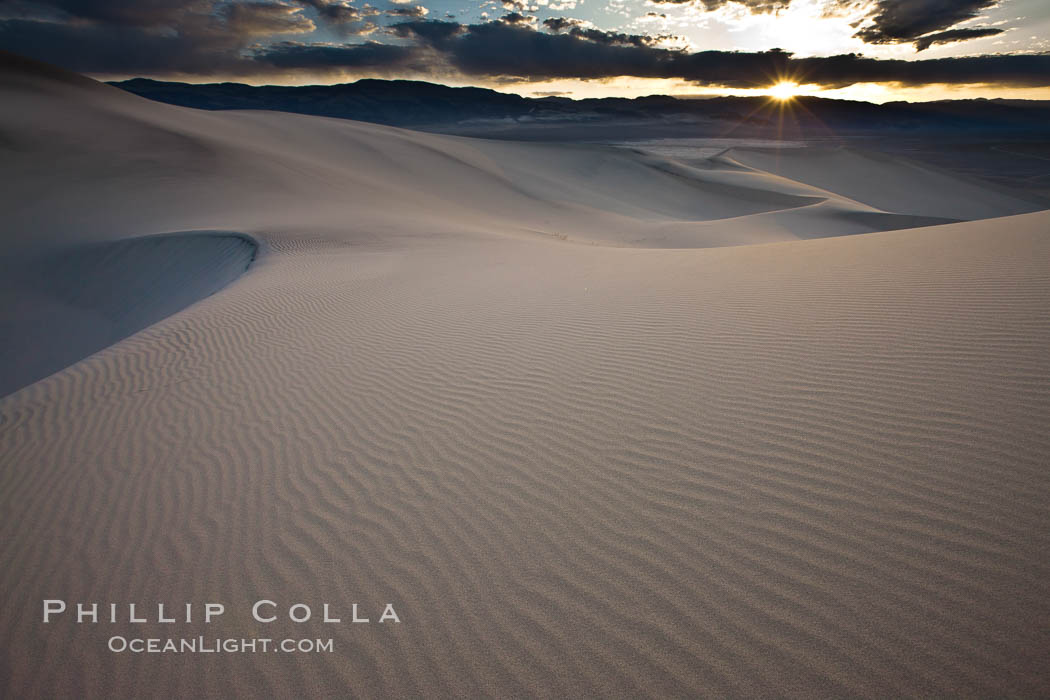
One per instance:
(59, 308)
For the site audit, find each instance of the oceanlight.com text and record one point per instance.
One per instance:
(212, 645)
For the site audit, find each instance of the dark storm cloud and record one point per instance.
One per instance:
(924, 22)
(117, 48)
(517, 18)
(897, 21)
(337, 12)
(207, 39)
(139, 13)
(952, 35)
(1016, 70)
(163, 37)
(372, 55)
(560, 24)
(343, 18)
(431, 32)
(158, 13)
(577, 29)
(499, 50)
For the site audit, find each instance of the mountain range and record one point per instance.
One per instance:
(481, 111)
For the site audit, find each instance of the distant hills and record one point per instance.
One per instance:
(482, 111)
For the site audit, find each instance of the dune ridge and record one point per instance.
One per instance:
(810, 466)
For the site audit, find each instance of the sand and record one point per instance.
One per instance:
(596, 423)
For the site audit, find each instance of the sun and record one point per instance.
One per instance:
(784, 90)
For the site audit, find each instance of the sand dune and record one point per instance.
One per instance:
(889, 183)
(801, 468)
(274, 171)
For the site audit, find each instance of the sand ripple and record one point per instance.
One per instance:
(814, 468)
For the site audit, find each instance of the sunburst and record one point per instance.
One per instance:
(784, 90)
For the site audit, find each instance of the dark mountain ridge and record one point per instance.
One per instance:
(435, 107)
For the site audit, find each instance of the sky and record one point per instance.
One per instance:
(875, 50)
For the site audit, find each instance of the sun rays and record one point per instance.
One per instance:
(784, 90)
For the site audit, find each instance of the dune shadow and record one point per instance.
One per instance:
(63, 306)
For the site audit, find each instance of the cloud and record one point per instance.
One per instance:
(117, 48)
(897, 21)
(952, 35)
(343, 18)
(371, 55)
(431, 31)
(209, 39)
(924, 22)
(205, 44)
(139, 13)
(498, 50)
(168, 37)
(579, 29)
(560, 24)
(339, 12)
(265, 18)
(1012, 70)
(517, 18)
(415, 11)
(754, 6)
